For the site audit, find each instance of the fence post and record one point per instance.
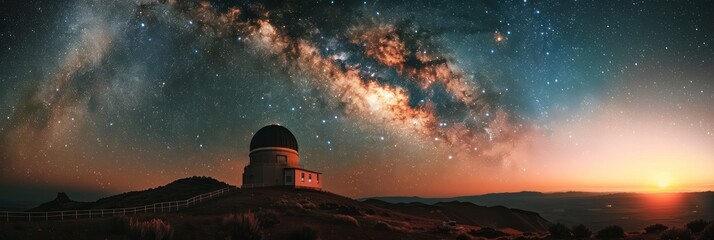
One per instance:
(29, 217)
(47, 216)
(102, 212)
(61, 215)
(76, 216)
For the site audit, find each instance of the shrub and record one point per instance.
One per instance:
(369, 211)
(487, 232)
(244, 226)
(268, 218)
(559, 231)
(581, 231)
(613, 231)
(707, 233)
(348, 211)
(676, 234)
(20, 227)
(697, 225)
(288, 203)
(307, 204)
(304, 233)
(328, 206)
(119, 225)
(155, 229)
(657, 228)
(349, 220)
(382, 226)
(463, 236)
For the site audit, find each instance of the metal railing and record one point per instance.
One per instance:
(98, 213)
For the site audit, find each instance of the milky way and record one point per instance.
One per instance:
(108, 96)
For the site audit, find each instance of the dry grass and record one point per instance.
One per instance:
(155, 229)
(268, 218)
(244, 226)
(118, 225)
(349, 220)
(383, 226)
(487, 232)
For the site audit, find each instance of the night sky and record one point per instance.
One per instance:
(385, 97)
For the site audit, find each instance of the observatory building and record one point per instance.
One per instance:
(275, 161)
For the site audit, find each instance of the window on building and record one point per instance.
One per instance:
(282, 159)
(309, 177)
(318, 178)
(302, 177)
(288, 178)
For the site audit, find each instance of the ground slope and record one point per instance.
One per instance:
(281, 212)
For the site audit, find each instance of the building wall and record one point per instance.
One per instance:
(263, 175)
(310, 180)
(270, 156)
(278, 167)
(266, 166)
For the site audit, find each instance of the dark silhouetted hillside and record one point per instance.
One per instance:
(177, 190)
(471, 214)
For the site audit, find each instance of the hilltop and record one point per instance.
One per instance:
(281, 212)
(177, 190)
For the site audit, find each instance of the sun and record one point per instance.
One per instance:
(663, 184)
(662, 181)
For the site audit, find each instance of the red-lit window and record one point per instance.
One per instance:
(302, 177)
(309, 177)
(318, 178)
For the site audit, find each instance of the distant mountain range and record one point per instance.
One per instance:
(471, 214)
(633, 211)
